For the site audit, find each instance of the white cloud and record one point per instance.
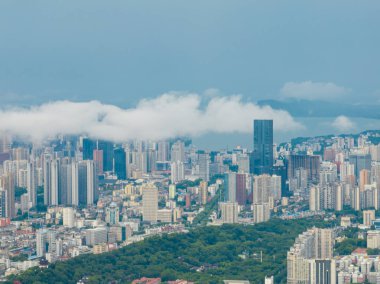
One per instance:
(166, 116)
(343, 123)
(309, 90)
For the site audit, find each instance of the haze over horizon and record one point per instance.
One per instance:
(317, 61)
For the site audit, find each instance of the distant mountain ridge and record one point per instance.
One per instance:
(305, 108)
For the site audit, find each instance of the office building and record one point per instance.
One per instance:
(262, 147)
(107, 148)
(120, 163)
(88, 147)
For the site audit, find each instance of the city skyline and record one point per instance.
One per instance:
(186, 142)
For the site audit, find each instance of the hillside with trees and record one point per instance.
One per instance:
(206, 254)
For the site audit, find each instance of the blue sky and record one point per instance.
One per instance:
(121, 51)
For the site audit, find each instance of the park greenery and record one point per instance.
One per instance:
(207, 254)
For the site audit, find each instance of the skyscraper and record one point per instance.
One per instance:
(324, 243)
(262, 146)
(178, 152)
(107, 148)
(204, 166)
(163, 151)
(65, 182)
(88, 147)
(84, 183)
(98, 159)
(120, 163)
(47, 178)
(241, 189)
(32, 183)
(203, 192)
(177, 171)
(8, 186)
(41, 236)
(230, 187)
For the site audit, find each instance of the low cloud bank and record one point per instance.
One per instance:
(343, 123)
(166, 116)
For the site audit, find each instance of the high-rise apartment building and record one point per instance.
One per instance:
(241, 188)
(203, 192)
(178, 152)
(311, 163)
(310, 258)
(149, 203)
(360, 162)
(204, 166)
(229, 212)
(230, 187)
(261, 212)
(163, 151)
(32, 183)
(7, 184)
(177, 171)
(324, 243)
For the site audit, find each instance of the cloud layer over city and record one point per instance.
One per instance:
(168, 115)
